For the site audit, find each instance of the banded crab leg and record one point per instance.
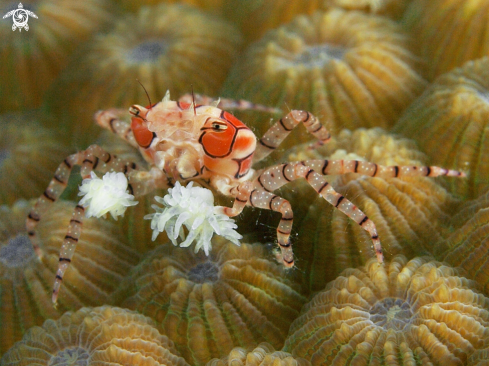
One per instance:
(335, 167)
(313, 171)
(281, 129)
(94, 157)
(110, 119)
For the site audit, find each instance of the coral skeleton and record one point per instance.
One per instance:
(106, 195)
(192, 207)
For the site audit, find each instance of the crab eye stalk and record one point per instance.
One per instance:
(219, 126)
(135, 110)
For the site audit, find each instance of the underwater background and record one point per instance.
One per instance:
(396, 82)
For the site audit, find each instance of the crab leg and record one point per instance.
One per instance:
(281, 129)
(111, 120)
(334, 167)
(279, 175)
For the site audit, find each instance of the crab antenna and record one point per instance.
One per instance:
(149, 99)
(193, 98)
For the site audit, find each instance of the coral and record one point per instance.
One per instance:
(413, 313)
(213, 6)
(479, 358)
(449, 32)
(95, 336)
(411, 214)
(467, 246)
(149, 46)
(29, 155)
(348, 68)
(100, 263)
(390, 8)
(32, 60)
(255, 17)
(209, 305)
(448, 121)
(263, 355)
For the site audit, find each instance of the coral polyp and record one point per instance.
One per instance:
(209, 305)
(468, 244)
(28, 154)
(448, 121)
(31, 62)
(26, 280)
(349, 68)
(95, 336)
(390, 8)
(262, 355)
(256, 17)
(416, 312)
(449, 32)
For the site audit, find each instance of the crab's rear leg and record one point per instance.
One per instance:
(279, 175)
(281, 129)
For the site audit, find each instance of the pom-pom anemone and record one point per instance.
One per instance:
(348, 68)
(416, 312)
(101, 261)
(209, 305)
(449, 121)
(95, 336)
(149, 46)
(32, 60)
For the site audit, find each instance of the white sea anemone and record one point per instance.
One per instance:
(192, 207)
(109, 194)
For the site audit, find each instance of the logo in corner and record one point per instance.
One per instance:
(20, 17)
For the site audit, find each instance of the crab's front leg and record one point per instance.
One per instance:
(281, 129)
(279, 175)
(111, 119)
(251, 193)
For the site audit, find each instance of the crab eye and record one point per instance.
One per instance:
(219, 126)
(134, 110)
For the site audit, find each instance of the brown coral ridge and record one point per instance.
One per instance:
(29, 153)
(468, 245)
(26, 281)
(390, 8)
(262, 355)
(208, 305)
(448, 32)
(32, 60)
(414, 313)
(349, 68)
(449, 122)
(95, 336)
(150, 46)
